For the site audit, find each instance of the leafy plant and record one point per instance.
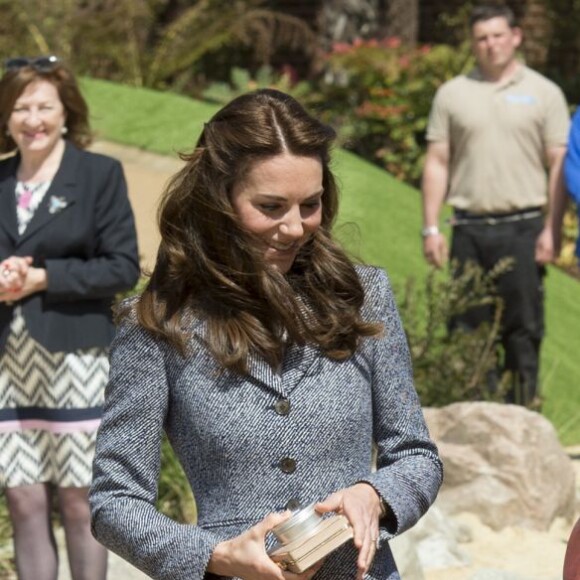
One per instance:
(379, 94)
(242, 81)
(6, 556)
(454, 365)
(174, 495)
(152, 43)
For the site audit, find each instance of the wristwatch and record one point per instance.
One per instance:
(429, 231)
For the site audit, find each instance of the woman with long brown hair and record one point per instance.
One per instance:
(271, 361)
(67, 246)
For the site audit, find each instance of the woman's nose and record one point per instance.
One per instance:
(292, 225)
(33, 118)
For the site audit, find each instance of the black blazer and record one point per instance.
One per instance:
(83, 233)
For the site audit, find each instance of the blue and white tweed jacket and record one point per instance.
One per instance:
(254, 444)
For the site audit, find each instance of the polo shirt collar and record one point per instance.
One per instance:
(518, 75)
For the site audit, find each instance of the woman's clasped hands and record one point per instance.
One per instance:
(245, 555)
(19, 279)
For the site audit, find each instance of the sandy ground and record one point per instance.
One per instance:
(147, 175)
(512, 553)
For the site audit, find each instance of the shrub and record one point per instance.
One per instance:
(378, 95)
(453, 366)
(242, 81)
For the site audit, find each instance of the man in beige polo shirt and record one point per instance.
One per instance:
(497, 139)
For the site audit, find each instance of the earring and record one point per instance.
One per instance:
(64, 130)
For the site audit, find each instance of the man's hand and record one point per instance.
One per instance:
(435, 249)
(545, 247)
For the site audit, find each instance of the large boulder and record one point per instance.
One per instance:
(434, 542)
(503, 463)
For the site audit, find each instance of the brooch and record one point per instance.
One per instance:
(56, 204)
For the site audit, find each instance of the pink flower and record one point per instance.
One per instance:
(341, 47)
(404, 61)
(392, 42)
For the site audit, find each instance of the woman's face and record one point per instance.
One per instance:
(37, 118)
(280, 201)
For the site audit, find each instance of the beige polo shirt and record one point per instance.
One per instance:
(498, 135)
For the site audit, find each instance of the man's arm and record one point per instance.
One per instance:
(434, 186)
(549, 240)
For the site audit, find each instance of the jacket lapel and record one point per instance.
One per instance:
(299, 361)
(60, 195)
(8, 219)
(258, 369)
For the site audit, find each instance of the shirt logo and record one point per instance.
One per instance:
(521, 99)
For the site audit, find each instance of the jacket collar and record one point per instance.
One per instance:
(61, 194)
(7, 197)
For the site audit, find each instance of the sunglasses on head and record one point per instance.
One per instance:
(38, 63)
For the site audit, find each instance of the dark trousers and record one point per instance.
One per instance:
(521, 288)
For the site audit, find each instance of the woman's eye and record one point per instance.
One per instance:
(312, 204)
(269, 207)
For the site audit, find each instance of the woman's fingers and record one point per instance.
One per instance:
(271, 521)
(333, 503)
(13, 272)
(360, 504)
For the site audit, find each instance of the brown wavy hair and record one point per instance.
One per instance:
(14, 82)
(209, 265)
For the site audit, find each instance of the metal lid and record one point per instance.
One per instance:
(301, 523)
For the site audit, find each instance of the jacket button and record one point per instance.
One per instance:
(287, 465)
(282, 407)
(293, 505)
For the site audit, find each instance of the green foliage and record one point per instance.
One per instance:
(174, 495)
(453, 366)
(6, 555)
(152, 43)
(242, 81)
(379, 93)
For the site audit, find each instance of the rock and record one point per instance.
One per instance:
(489, 574)
(432, 543)
(437, 538)
(503, 463)
(405, 554)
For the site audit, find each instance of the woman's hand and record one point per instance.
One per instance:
(362, 507)
(18, 279)
(245, 555)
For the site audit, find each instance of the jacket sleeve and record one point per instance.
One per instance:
(409, 471)
(115, 265)
(127, 464)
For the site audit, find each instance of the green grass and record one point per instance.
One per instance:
(387, 218)
(160, 122)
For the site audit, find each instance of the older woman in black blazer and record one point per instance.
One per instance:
(271, 361)
(67, 246)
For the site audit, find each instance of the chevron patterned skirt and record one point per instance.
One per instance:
(50, 409)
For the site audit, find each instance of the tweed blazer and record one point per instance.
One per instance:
(86, 242)
(246, 455)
